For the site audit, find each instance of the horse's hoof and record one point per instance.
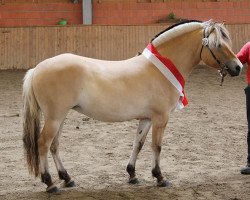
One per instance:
(245, 170)
(133, 181)
(164, 183)
(71, 183)
(53, 190)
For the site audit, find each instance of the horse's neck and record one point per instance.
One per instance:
(183, 51)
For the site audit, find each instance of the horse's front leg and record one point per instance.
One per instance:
(159, 125)
(142, 131)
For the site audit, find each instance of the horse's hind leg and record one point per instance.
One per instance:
(54, 149)
(142, 131)
(48, 134)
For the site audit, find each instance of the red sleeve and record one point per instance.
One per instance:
(243, 54)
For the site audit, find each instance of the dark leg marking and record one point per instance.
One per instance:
(159, 149)
(140, 146)
(156, 172)
(131, 172)
(46, 178)
(63, 175)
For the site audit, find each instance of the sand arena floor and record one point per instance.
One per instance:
(203, 150)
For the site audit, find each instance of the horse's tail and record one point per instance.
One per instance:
(31, 124)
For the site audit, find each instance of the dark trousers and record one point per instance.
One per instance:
(247, 92)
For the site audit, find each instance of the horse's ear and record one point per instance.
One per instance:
(210, 21)
(212, 29)
(209, 27)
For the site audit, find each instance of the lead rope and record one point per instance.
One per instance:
(223, 73)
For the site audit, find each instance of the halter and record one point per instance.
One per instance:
(223, 67)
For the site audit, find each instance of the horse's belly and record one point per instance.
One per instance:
(109, 114)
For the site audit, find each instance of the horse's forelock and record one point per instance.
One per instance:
(217, 34)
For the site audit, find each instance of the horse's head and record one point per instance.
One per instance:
(216, 49)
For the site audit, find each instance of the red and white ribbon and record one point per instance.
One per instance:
(168, 69)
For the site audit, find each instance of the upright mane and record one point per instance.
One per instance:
(219, 32)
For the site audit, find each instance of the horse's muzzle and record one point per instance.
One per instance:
(235, 72)
(234, 68)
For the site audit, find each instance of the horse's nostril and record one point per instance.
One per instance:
(238, 68)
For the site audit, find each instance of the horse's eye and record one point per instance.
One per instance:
(219, 46)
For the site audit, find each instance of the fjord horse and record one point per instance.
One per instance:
(116, 91)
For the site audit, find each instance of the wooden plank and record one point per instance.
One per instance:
(25, 47)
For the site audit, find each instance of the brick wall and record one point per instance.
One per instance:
(38, 14)
(148, 13)
(122, 12)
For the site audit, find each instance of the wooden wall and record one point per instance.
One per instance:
(24, 47)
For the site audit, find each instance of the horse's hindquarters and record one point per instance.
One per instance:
(57, 89)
